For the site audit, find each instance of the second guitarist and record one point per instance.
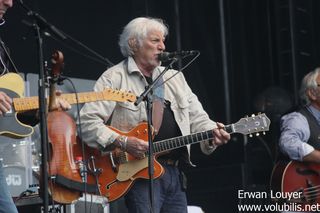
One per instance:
(300, 133)
(176, 111)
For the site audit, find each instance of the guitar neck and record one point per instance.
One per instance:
(178, 142)
(31, 103)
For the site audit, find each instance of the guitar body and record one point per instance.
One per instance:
(116, 179)
(120, 170)
(14, 82)
(13, 85)
(299, 177)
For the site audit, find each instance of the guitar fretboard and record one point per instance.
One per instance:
(177, 142)
(174, 143)
(30, 103)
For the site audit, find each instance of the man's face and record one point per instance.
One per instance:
(152, 45)
(4, 5)
(314, 94)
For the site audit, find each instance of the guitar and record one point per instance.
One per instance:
(296, 182)
(13, 85)
(120, 169)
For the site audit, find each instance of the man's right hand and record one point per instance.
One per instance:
(5, 103)
(136, 147)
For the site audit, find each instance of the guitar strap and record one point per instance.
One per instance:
(7, 55)
(157, 104)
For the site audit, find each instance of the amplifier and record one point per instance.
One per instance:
(17, 158)
(92, 203)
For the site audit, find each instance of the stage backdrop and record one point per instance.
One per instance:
(253, 56)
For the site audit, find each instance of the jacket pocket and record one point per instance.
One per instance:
(181, 112)
(126, 115)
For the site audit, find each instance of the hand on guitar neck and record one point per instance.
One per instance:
(220, 135)
(57, 102)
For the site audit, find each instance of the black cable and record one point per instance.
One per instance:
(180, 70)
(8, 55)
(79, 130)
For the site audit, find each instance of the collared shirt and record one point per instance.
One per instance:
(124, 116)
(295, 133)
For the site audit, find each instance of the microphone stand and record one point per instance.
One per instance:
(40, 25)
(43, 119)
(39, 22)
(146, 96)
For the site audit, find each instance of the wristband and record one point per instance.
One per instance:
(122, 142)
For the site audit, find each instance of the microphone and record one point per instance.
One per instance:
(82, 169)
(166, 56)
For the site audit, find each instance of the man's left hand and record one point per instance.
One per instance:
(60, 103)
(220, 135)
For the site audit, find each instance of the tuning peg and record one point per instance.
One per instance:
(257, 134)
(250, 135)
(253, 115)
(264, 133)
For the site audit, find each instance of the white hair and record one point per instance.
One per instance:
(138, 30)
(308, 82)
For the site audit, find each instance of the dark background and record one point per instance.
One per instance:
(253, 56)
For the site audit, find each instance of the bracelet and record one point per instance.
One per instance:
(122, 142)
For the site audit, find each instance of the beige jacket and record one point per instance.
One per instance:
(187, 109)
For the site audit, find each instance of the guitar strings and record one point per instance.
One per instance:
(311, 193)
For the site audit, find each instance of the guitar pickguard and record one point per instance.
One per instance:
(9, 124)
(129, 169)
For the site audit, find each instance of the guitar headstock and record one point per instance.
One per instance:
(117, 95)
(254, 124)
